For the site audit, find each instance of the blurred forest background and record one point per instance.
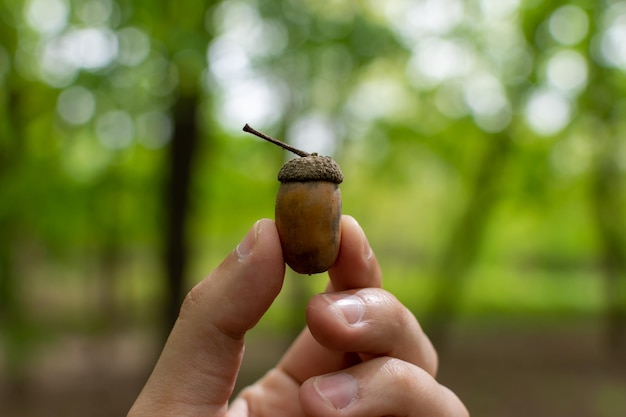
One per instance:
(482, 141)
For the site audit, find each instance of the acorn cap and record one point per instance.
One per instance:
(311, 168)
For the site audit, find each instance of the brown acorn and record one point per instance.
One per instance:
(308, 209)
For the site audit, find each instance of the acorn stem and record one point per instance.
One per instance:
(283, 145)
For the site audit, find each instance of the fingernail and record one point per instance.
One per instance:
(244, 249)
(339, 390)
(367, 249)
(350, 308)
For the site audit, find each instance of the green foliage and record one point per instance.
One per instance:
(448, 168)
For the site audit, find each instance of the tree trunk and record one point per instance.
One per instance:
(13, 320)
(465, 241)
(609, 214)
(182, 150)
(603, 91)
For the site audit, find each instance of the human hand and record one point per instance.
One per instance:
(362, 353)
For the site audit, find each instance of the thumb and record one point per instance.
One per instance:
(196, 372)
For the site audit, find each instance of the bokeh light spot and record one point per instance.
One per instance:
(414, 19)
(567, 71)
(76, 105)
(92, 48)
(484, 94)
(498, 9)
(115, 129)
(378, 98)
(95, 12)
(256, 100)
(569, 25)
(613, 43)
(314, 132)
(134, 46)
(548, 112)
(436, 60)
(48, 17)
(61, 57)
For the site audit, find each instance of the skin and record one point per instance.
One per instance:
(362, 353)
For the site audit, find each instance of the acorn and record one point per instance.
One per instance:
(308, 209)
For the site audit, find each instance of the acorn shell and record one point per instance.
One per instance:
(308, 219)
(308, 213)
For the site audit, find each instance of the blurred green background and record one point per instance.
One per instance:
(482, 143)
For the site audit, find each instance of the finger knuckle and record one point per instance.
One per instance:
(191, 302)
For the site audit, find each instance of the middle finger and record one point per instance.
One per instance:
(371, 322)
